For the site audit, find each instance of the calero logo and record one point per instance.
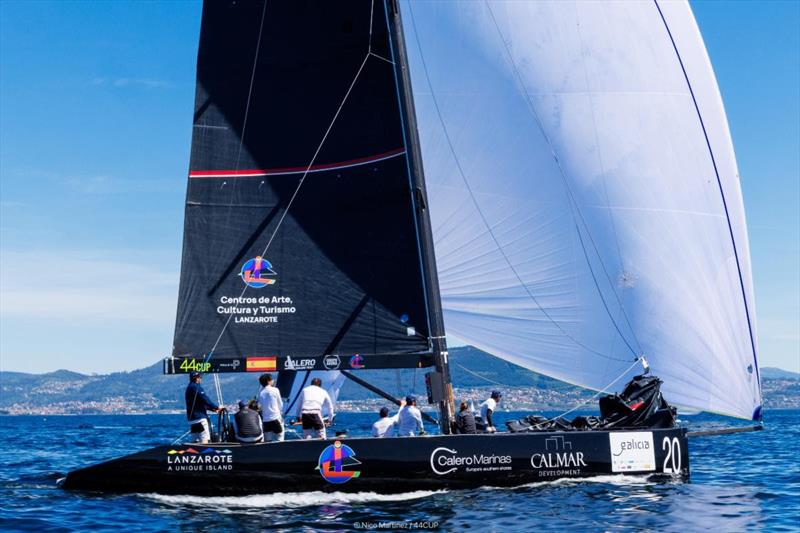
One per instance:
(334, 459)
(356, 361)
(258, 273)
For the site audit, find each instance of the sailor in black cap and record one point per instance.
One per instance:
(386, 426)
(409, 419)
(488, 408)
(197, 402)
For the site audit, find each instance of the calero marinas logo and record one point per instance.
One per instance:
(257, 272)
(334, 459)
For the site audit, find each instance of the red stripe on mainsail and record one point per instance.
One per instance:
(295, 170)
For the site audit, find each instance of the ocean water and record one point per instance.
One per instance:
(747, 481)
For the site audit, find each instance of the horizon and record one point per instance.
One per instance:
(96, 102)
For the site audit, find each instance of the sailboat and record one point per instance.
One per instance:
(552, 182)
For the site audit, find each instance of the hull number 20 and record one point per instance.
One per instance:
(672, 462)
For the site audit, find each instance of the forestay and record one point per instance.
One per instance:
(584, 193)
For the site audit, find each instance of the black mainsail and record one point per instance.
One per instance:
(305, 230)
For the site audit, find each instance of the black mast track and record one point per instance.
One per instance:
(437, 331)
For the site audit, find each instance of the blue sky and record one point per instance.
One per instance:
(96, 104)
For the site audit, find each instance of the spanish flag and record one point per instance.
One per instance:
(261, 364)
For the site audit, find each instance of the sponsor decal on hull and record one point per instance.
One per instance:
(299, 364)
(558, 459)
(632, 451)
(233, 365)
(195, 365)
(331, 362)
(334, 460)
(446, 461)
(192, 460)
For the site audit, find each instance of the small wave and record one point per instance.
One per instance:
(282, 499)
(612, 479)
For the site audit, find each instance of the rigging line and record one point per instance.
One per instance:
(179, 439)
(371, 16)
(562, 173)
(290, 405)
(381, 58)
(589, 95)
(465, 369)
(595, 395)
(600, 293)
(477, 205)
(721, 191)
(218, 387)
(314, 158)
(252, 81)
(294, 195)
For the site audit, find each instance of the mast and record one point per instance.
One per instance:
(440, 382)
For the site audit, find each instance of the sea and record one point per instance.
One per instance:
(741, 482)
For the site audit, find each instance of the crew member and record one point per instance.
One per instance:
(248, 424)
(487, 409)
(310, 404)
(386, 426)
(409, 419)
(197, 402)
(271, 408)
(465, 420)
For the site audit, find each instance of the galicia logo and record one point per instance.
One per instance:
(632, 451)
(258, 273)
(356, 361)
(334, 459)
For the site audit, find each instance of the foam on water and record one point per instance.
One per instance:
(309, 499)
(740, 482)
(283, 500)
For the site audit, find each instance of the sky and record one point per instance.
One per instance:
(96, 102)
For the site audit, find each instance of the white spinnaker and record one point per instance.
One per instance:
(578, 217)
(332, 381)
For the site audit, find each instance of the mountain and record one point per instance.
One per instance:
(148, 389)
(770, 372)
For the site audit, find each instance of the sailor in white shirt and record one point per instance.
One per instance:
(386, 426)
(409, 419)
(271, 409)
(487, 409)
(313, 399)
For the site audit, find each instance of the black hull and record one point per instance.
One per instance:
(388, 465)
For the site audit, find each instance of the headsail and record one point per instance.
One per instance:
(301, 236)
(584, 193)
